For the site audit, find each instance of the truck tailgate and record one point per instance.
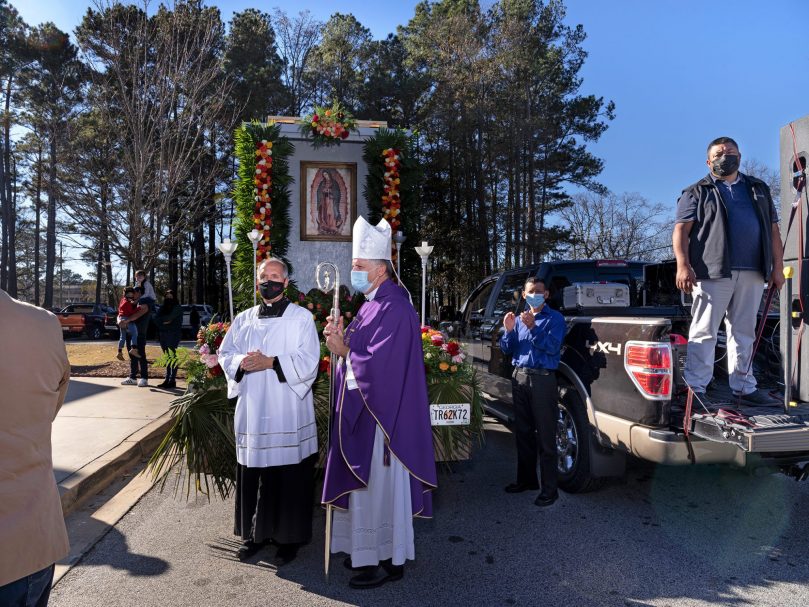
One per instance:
(765, 433)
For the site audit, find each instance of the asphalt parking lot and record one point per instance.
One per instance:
(663, 536)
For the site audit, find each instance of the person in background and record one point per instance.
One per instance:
(194, 320)
(141, 317)
(169, 319)
(34, 379)
(534, 342)
(129, 333)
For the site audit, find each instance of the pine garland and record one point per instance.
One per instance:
(255, 142)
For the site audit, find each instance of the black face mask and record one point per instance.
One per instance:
(725, 165)
(270, 289)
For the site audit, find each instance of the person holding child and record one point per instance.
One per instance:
(129, 331)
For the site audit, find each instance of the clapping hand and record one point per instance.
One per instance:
(509, 320)
(256, 361)
(527, 319)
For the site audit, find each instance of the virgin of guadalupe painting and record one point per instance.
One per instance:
(328, 200)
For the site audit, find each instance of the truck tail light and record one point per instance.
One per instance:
(649, 366)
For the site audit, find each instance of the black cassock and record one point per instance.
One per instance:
(276, 502)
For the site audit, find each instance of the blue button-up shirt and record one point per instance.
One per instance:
(540, 347)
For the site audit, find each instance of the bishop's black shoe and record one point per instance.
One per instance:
(520, 487)
(248, 549)
(373, 577)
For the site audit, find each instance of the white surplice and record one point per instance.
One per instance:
(378, 524)
(274, 421)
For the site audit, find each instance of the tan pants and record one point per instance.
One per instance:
(738, 299)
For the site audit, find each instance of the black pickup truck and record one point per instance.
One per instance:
(621, 390)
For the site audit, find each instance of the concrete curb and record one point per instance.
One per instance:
(101, 472)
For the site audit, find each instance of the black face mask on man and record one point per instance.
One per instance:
(725, 165)
(270, 289)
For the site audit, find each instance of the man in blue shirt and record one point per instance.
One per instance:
(727, 242)
(534, 341)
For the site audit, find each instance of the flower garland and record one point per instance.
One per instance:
(262, 215)
(328, 126)
(391, 185)
(261, 196)
(391, 201)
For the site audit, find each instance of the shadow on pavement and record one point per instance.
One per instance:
(78, 389)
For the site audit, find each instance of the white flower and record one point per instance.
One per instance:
(428, 355)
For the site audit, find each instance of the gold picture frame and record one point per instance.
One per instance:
(328, 200)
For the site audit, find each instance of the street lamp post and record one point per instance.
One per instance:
(254, 236)
(424, 252)
(228, 248)
(399, 239)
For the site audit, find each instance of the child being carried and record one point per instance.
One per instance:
(126, 308)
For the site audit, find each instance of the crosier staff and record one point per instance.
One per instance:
(323, 277)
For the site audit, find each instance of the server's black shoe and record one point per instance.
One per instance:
(546, 499)
(248, 549)
(520, 487)
(374, 577)
(286, 554)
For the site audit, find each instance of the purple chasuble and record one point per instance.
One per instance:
(384, 342)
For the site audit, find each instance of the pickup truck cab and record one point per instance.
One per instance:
(91, 319)
(620, 382)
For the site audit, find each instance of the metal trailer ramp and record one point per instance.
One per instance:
(765, 433)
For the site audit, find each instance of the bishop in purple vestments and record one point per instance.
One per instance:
(381, 466)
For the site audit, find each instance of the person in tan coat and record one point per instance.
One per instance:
(34, 373)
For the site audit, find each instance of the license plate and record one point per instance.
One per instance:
(456, 414)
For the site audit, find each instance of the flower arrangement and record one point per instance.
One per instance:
(328, 126)
(262, 213)
(202, 363)
(451, 378)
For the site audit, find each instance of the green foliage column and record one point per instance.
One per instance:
(397, 203)
(263, 156)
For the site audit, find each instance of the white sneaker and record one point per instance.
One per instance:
(143, 383)
(129, 382)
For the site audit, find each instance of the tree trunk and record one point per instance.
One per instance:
(37, 223)
(50, 234)
(199, 254)
(5, 198)
(11, 197)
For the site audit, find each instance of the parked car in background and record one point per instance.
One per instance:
(205, 312)
(91, 319)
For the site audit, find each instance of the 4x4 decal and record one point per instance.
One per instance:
(606, 347)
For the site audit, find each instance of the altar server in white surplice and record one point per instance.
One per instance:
(270, 356)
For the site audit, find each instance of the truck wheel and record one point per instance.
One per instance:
(573, 443)
(95, 333)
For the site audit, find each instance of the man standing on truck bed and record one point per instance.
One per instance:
(534, 341)
(727, 243)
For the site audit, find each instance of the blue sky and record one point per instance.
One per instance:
(680, 72)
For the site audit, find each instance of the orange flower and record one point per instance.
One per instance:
(443, 366)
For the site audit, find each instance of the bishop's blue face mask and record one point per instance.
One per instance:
(359, 280)
(535, 299)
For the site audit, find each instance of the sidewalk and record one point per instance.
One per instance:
(102, 430)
